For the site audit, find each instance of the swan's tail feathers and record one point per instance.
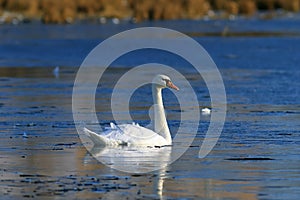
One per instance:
(115, 127)
(112, 125)
(135, 124)
(98, 140)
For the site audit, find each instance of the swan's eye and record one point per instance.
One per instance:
(166, 80)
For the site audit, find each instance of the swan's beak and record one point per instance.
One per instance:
(171, 85)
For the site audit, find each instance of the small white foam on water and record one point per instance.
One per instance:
(205, 111)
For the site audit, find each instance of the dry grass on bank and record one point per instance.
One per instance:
(66, 11)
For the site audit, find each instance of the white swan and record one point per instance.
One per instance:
(133, 134)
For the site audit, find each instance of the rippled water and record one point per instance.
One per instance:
(257, 156)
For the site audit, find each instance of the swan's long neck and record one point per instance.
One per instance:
(160, 121)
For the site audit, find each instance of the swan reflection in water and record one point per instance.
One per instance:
(133, 159)
(137, 160)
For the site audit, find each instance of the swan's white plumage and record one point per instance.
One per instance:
(127, 134)
(134, 134)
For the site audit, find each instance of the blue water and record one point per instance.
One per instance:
(260, 68)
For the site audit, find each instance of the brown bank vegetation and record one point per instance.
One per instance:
(66, 11)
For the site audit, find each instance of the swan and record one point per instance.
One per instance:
(134, 134)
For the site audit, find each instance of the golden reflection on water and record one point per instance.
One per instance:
(205, 189)
(72, 162)
(164, 186)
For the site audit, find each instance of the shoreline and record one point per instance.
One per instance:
(17, 18)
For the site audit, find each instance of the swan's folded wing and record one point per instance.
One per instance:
(138, 135)
(127, 134)
(109, 137)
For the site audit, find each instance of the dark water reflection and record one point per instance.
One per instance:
(257, 156)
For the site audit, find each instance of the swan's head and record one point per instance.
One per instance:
(163, 81)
